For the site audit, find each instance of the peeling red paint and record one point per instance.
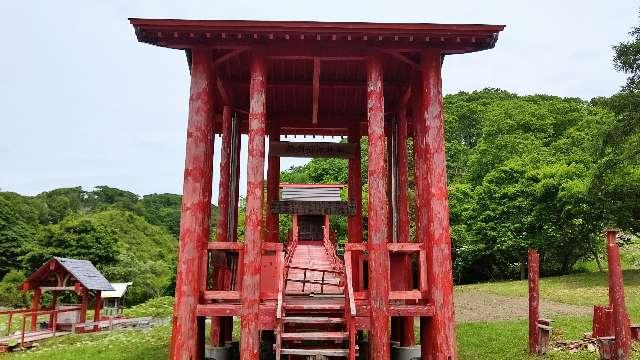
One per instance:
(250, 334)
(354, 223)
(534, 299)
(438, 335)
(273, 187)
(407, 337)
(377, 206)
(217, 335)
(622, 330)
(196, 208)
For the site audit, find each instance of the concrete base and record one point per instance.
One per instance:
(405, 353)
(218, 353)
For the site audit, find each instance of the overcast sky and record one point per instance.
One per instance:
(83, 103)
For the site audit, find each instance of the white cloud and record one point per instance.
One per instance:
(82, 103)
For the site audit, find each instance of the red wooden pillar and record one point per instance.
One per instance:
(84, 304)
(186, 339)
(97, 306)
(354, 223)
(224, 200)
(250, 334)
(273, 188)
(534, 299)
(377, 206)
(616, 299)
(407, 337)
(54, 301)
(35, 306)
(440, 331)
(216, 335)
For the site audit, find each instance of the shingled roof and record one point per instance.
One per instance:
(82, 270)
(86, 274)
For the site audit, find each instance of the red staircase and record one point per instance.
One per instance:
(311, 318)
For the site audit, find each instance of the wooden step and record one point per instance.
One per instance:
(313, 320)
(320, 336)
(314, 306)
(316, 352)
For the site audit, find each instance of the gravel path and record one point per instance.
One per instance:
(481, 306)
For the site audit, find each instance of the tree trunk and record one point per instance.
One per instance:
(595, 256)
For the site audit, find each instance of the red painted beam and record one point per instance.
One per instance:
(534, 299)
(216, 335)
(84, 304)
(97, 307)
(316, 90)
(407, 337)
(250, 334)
(439, 335)
(196, 209)
(354, 223)
(224, 201)
(35, 305)
(403, 178)
(377, 206)
(273, 186)
(622, 347)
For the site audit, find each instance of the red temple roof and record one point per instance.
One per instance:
(316, 70)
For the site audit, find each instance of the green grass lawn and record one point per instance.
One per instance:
(578, 289)
(476, 340)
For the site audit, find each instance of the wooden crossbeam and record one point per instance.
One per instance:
(316, 90)
(347, 208)
(313, 149)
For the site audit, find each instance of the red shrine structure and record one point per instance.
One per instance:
(271, 78)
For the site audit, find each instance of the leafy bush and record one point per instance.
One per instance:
(10, 295)
(158, 308)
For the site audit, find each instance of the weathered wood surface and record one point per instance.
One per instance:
(378, 213)
(438, 336)
(622, 329)
(313, 149)
(347, 208)
(250, 332)
(196, 208)
(534, 299)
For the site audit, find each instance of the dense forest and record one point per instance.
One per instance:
(129, 238)
(524, 171)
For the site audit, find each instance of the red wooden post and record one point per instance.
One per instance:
(534, 300)
(35, 304)
(224, 201)
(216, 335)
(54, 301)
(354, 223)
(377, 205)
(24, 323)
(84, 303)
(236, 179)
(9, 323)
(96, 310)
(196, 210)
(273, 188)
(250, 334)
(616, 299)
(440, 331)
(407, 337)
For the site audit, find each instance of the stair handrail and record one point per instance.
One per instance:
(331, 251)
(350, 305)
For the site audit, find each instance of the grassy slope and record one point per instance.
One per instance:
(579, 289)
(497, 340)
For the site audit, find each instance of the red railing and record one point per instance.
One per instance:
(350, 306)
(53, 319)
(322, 282)
(329, 242)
